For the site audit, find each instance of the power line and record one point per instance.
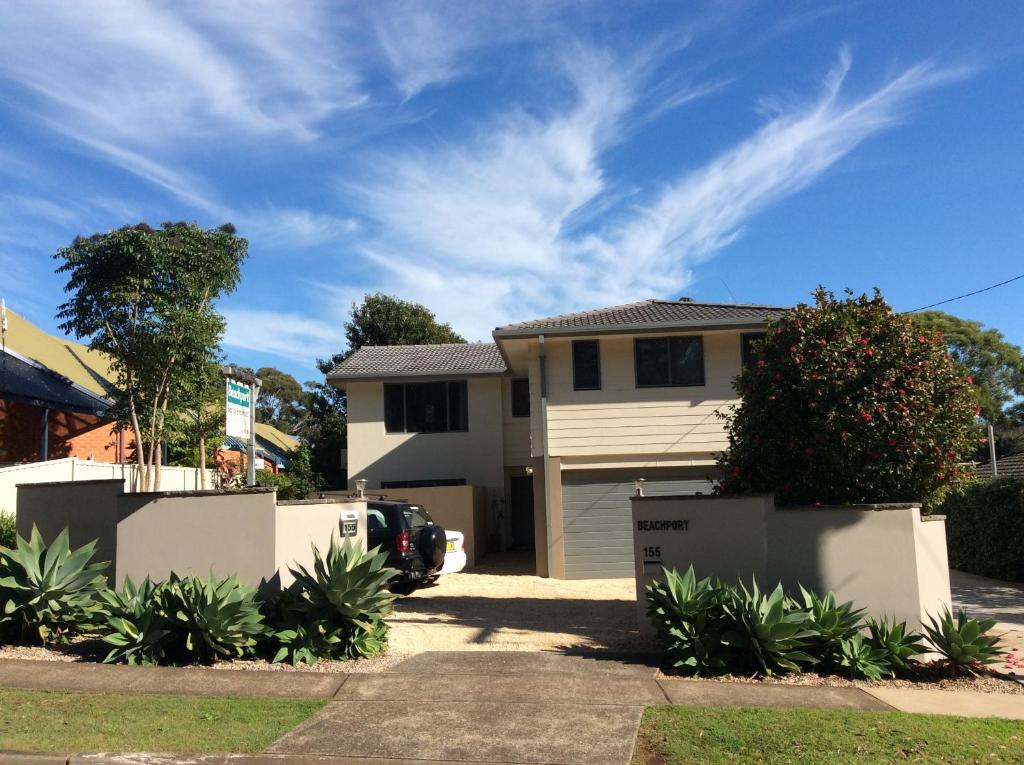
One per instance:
(967, 294)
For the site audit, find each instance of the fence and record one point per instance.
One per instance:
(75, 469)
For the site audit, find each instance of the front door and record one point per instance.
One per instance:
(521, 496)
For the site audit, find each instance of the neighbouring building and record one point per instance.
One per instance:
(556, 420)
(1010, 465)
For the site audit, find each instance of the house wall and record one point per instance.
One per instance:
(71, 434)
(475, 456)
(515, 430)
(620, 424)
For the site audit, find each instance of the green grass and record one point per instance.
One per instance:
(805, 737)
(52, 721)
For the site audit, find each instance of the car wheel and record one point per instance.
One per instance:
(433, 546)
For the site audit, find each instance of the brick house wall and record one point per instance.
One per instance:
(85, 436)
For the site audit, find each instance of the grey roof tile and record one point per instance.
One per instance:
(647, 313)
(378, 361)
(1011, 464)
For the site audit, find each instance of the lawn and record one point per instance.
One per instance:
(53, 721)
(807, 737)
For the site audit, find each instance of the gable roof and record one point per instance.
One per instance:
(1011, 464)
(78, 363)
(376, 362)
(645, 315)
(278, 438)
(29, 382)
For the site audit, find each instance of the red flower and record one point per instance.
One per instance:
(922, 339)
(892, 442)
(809, 450)
(850, 365)
(863, 341)
(969, 380)
(869, 352)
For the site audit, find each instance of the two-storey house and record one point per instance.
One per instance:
(557, 420)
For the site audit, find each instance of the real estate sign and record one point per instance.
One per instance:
(238, 403)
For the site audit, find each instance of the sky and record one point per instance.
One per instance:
(499, 162)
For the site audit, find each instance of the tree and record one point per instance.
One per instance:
(849, 402)
(194, 432)
(282, 401)
(386, 320)
(325, 428)
(145, 297)
(996, 366)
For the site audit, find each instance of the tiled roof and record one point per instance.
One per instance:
(647, 314)
(1011, 464)
(379, 361)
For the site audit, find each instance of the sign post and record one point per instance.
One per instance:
(241, 391)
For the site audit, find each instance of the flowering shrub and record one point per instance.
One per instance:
(848, 402)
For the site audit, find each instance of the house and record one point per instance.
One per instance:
(1010, 465)
(556, 420)
(274, 449)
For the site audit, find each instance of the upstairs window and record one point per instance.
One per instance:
(748, 353)
(435, 407)
(669, 361)
(520, 398)
(586, 365)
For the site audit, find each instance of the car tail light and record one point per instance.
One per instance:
(403, 542)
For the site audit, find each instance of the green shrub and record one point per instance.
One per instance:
(8, 529)
(338, 610)
(965, 644)
(899, 645)
(835, 625)
(689, 621)
(48, 593)
(212, 618)
(859, 659)
(985, 528)
(138, 626)
(767, 631)
(849, 403)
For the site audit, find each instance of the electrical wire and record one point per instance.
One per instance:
(967, 294)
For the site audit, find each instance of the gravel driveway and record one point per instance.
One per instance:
(498, 606)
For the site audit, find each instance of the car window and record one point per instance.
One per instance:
(416, 516)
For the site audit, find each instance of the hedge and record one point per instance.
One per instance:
(985, 528)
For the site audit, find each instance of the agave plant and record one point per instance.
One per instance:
(687, 614)
(213, 617)
(767, 631)
(337, 610)
(859, 659)
(48, 593)
(139, 626)
(833, 622)
(899, 644)
(964, 643)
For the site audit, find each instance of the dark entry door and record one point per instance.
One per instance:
(521, 491)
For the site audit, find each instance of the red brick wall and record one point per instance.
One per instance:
(71, 435)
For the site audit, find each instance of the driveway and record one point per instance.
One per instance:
(500, 605)
(989, 598)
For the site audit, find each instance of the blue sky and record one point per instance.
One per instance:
(504, 161)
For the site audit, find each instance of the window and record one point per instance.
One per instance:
(748, 355)
(669, 361)
(520, 398)
(436, 407)
(586, 365)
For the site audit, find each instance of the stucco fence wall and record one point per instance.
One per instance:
(75, 469)
(247, 533)
(459, 508)
(888, 559)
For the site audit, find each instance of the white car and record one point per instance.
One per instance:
(455, 554)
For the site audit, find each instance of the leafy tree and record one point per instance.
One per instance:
(298, 481)
(145, 297)
(194, 435)
(995, 365)
(386, 320)
(282, 401)
(850, 403)
(325, 428)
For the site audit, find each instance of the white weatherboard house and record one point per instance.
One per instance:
(555, 421)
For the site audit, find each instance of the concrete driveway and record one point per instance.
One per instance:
(500, 605)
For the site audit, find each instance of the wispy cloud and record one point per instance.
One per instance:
(490, 221)
(287, 335)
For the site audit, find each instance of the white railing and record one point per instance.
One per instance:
(75, 469)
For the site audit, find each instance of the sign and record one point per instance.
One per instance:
(238, 402)
(349, 524)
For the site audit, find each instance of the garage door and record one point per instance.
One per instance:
(597, 515)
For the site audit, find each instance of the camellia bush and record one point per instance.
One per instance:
(847, 402)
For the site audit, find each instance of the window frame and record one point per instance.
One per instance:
(449, 387)
(667, 339)
(575, 383)
(514, 411)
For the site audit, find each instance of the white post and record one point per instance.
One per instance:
(254, 392)
(992, 451)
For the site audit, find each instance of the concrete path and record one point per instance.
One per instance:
(989, 598)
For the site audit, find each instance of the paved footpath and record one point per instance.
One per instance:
(481, 707)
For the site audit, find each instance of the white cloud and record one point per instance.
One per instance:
(484, 232)
(293, 228)
(288, 335)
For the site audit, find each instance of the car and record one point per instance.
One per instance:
(416, 546)
(455, 555)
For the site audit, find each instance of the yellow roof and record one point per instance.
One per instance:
(277, 437)
(88, 368)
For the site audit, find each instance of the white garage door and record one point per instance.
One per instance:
(597, 515)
